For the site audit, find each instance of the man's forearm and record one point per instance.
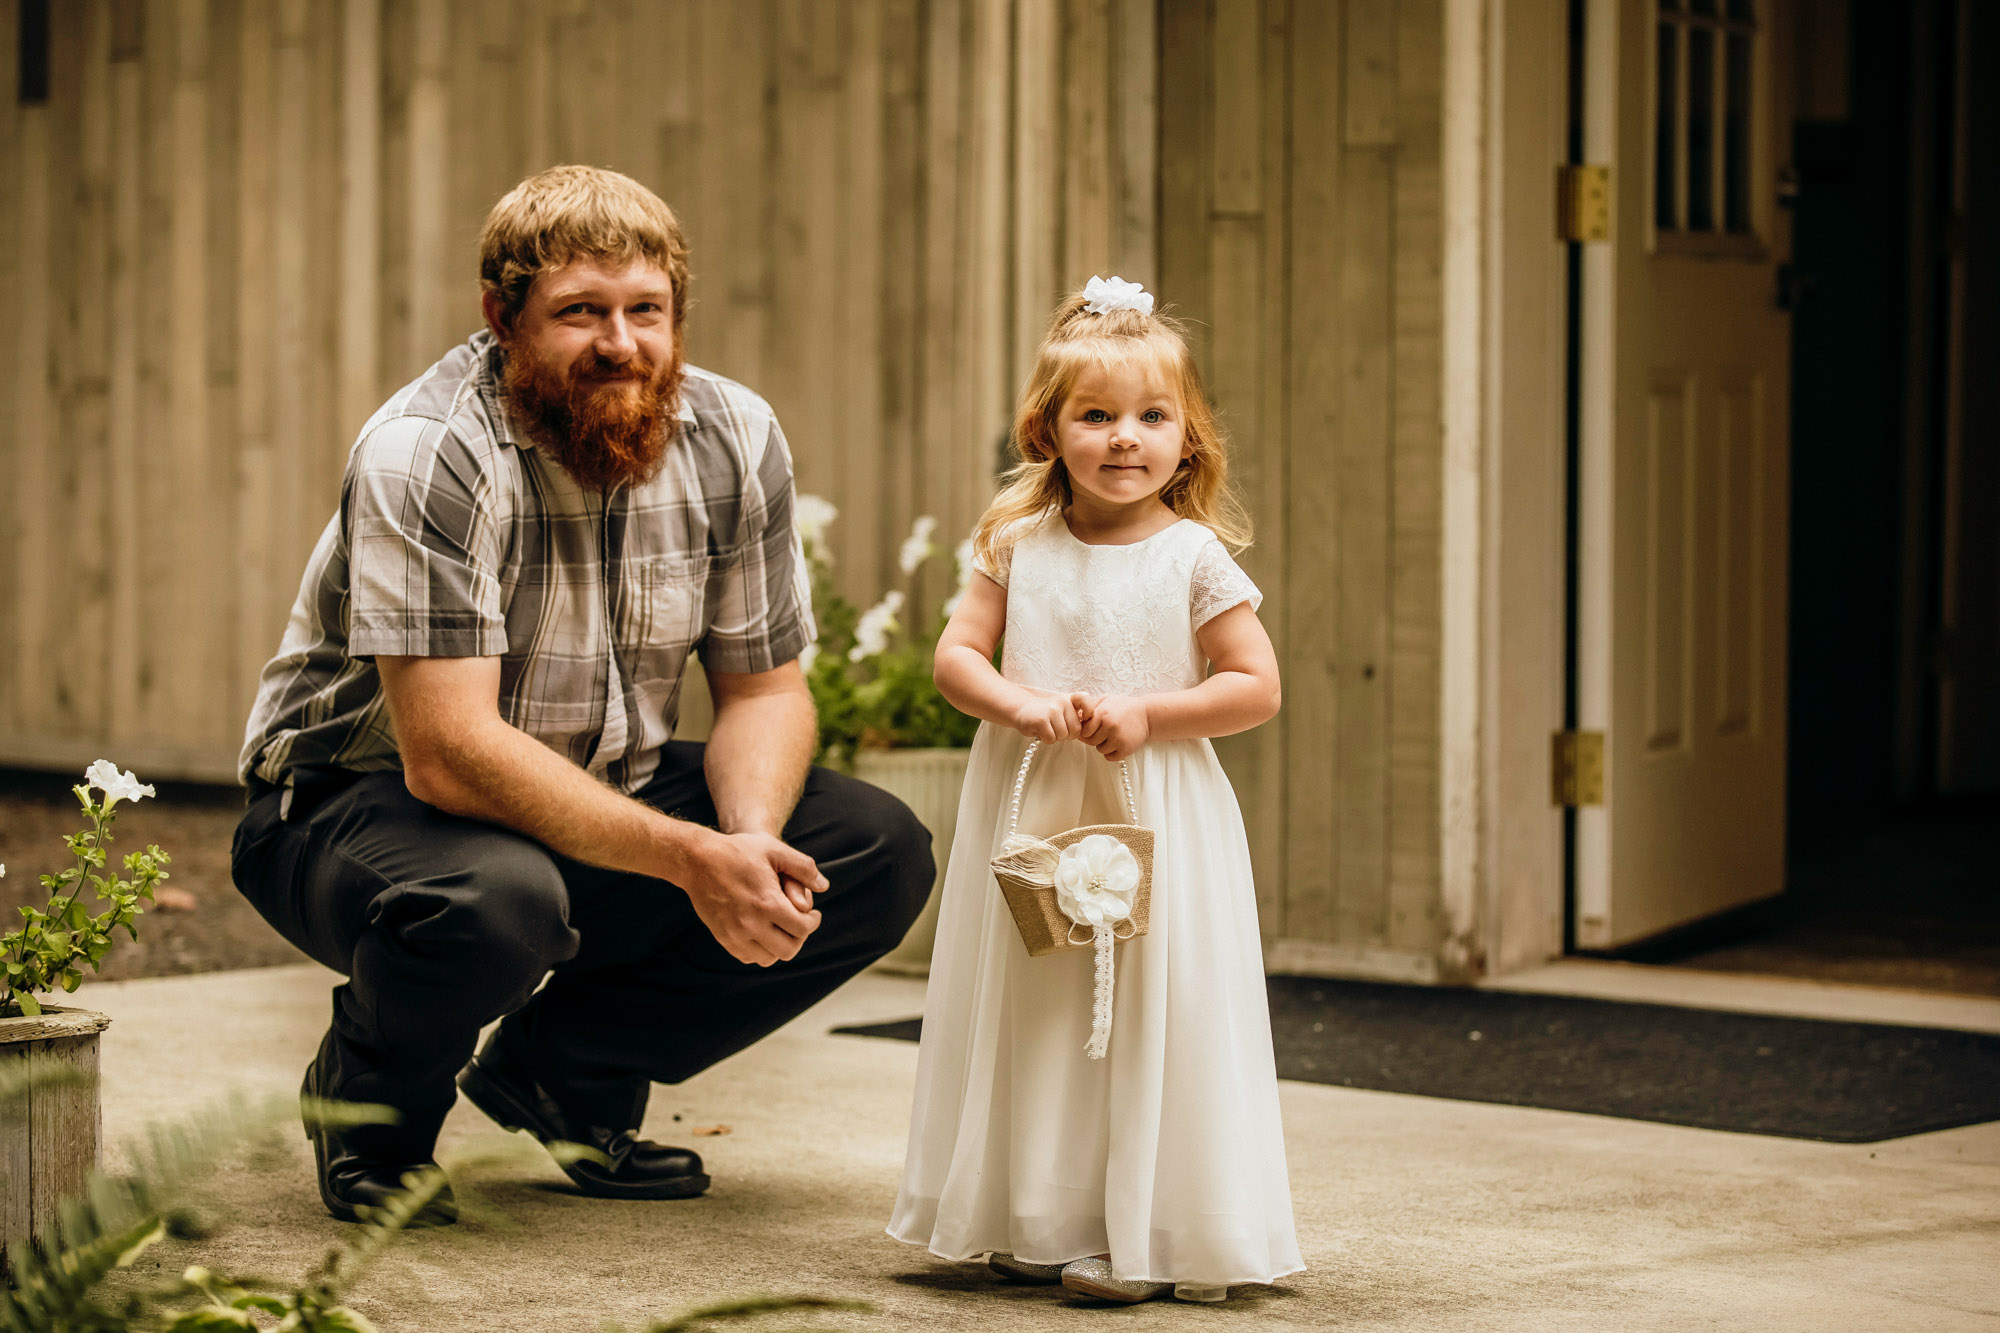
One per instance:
(758, 752)
(498, 773)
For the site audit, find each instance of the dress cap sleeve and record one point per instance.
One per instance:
(1002, 563)
(1218, 584)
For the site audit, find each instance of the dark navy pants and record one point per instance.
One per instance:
(443, 924)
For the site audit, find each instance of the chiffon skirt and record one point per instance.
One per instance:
(1168, 1154)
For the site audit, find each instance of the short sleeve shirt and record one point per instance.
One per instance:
(457, 537)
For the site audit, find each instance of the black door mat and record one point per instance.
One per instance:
(1797, 1078)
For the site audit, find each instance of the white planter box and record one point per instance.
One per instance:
(928, 781)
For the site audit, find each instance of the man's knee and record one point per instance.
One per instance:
(500, 923)
(898, 863)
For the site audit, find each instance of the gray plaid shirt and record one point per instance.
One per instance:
(457, 537)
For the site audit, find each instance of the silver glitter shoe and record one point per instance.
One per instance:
(1187, 1291)
(1092, 1277)
(1020, 1270)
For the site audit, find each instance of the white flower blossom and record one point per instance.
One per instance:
(871, 636)
(104, 776)
(963, 556)
(810, 515)
(917, 546)
(807, 658)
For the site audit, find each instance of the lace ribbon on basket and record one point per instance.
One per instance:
(1094, 880)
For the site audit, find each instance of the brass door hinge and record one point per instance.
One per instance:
(1579, 768)
(1583, 203)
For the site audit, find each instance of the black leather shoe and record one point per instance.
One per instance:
(634, 1168)
(357, 1170)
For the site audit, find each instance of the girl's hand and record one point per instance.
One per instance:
(1116, 724)
(1048, 717)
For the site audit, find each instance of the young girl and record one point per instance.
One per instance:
(1162, 1164)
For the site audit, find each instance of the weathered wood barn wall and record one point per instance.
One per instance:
(232, 227)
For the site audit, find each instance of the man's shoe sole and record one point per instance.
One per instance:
(506, 1111)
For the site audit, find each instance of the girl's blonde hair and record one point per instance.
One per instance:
(1078, 341)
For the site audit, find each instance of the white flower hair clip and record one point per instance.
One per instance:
(1103, 295)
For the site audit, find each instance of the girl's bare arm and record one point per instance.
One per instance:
(963, 670)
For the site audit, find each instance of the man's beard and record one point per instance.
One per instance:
(604, 423)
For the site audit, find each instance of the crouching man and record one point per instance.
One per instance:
(463, 795)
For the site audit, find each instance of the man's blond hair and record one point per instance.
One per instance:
(563, 214)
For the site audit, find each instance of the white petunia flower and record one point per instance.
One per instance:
(917, 546)
(810, 515)
(104, 776)
(963, 556)
(871, 636)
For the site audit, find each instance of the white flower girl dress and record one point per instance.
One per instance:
(1167, 1154)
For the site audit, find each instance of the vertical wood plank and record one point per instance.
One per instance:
(1038, 177)
(1186, 123)
(1313, 548)
(1089, 71)
(905, 93)
(327, 439)
(13, 272)
(1362, 457)
(17, 1163)
(735, 190)
(291, 292)
(223, 621)
(429, 278)
(255, 275)
(1237, 164)
(192, 702)
(139, 612)
(1416, 594)
(1270, 462)
(1370, 73)
(1135, 108)
(862, 451)
(359, 363)
(81, 112)
(947, 41)
(64, 1127)
(984, 405)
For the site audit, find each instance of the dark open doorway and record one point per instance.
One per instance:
(1893, 874)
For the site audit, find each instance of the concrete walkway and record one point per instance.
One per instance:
(1414, 1213)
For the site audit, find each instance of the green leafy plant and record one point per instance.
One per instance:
(71, 1282)
(53, 943)
(870, 671)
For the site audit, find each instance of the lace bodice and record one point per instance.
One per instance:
(1113, 619)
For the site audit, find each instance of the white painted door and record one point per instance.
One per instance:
(1683, 468)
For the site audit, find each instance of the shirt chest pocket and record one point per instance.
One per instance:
(665, 613)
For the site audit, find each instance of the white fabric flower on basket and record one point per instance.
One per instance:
(1096, 878)
(1103, 295)
(116, 786)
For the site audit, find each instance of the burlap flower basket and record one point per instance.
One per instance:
(1044, 929)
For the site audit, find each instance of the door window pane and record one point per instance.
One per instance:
(1736, 136)
(1701, 130)
(1666, 172)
